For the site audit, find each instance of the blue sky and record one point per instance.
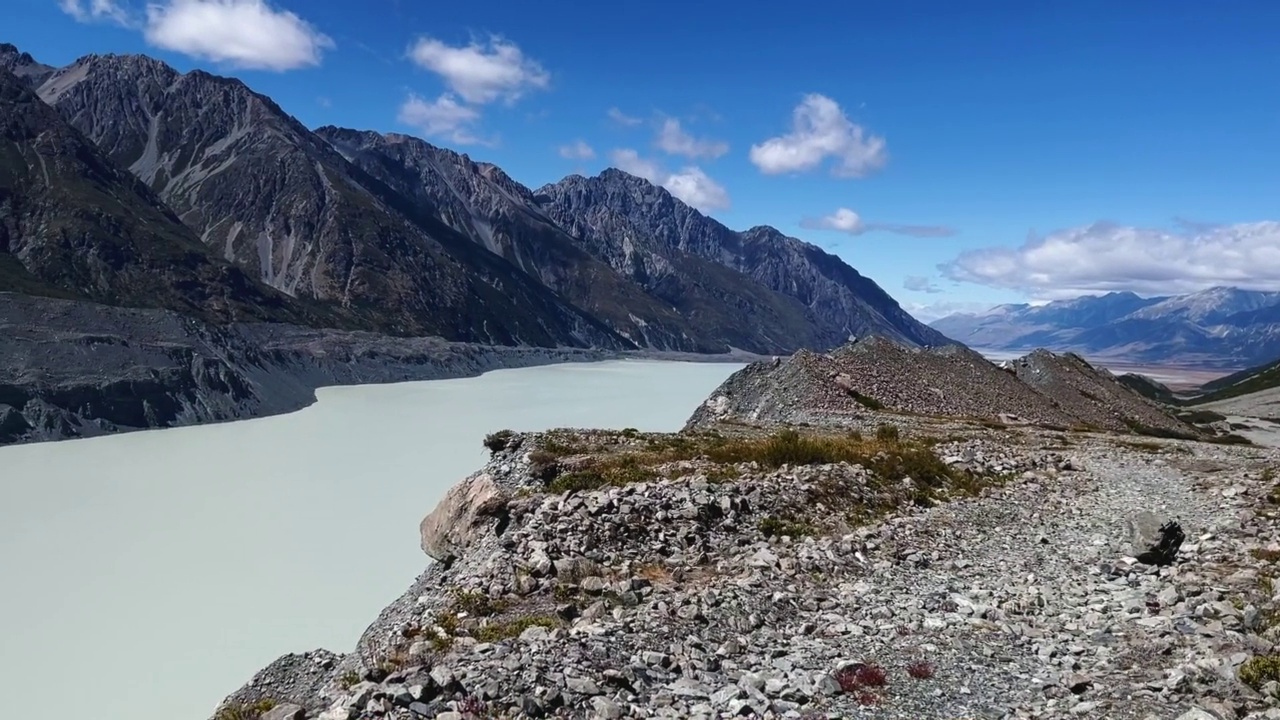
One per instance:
(961, 154)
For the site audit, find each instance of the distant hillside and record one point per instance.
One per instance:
(1148, 388)
(1218, 327)
(1250, 380)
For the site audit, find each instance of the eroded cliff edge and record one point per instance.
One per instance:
(76, 369)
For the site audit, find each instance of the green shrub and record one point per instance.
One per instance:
(245, 711)
(476, 603)
(888, 433)
(1260, 670)
(498, 441)
(777, 527)
(493, 632)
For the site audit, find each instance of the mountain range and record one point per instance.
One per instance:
(130, 183)
(1215, 328)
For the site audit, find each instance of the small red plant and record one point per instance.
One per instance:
(920, 670)
(866, 699)
(860, 676)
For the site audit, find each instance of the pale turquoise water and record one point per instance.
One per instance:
(147, 575)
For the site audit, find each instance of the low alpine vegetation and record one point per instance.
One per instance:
(498, 441)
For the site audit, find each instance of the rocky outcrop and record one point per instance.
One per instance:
(811, 589)
(451, 527)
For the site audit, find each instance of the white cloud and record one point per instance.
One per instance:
(842, 220)
(673, 140)
(920, 283)
(481, 73)
(577, 150)
(691, 185)
(628, 160)
(622, 118)
(443, 117)
(242, 33)
(820, 131)
(94, 11)
(847, 221)
(1103, 257)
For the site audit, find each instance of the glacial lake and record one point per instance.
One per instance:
(148, 575)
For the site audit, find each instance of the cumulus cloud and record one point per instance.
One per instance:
(1104, 257)
(443, 117)
(842, 220)
(242, 33)
(481, 73)
(95, 11)
(821, 132)
(691, 185)
(920, 283)
(577, 150)
(847, 221)
(622, 118)
(673, 140)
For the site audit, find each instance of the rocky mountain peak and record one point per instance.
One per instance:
(22, 65)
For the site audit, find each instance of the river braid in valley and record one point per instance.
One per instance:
(821, 543)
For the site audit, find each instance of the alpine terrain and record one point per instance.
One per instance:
(1218, 327)
(129, 184)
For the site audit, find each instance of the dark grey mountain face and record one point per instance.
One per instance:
(393, 234)
(1214, 327)
(74, 225)
(775, 290)
(495, 212)
(267, 194)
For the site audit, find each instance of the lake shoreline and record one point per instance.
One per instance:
(74, 370)
(290, 531)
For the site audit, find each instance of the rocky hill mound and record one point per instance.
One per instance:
(1094, 396)
(874, 374)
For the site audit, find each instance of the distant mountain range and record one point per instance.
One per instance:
(129, 183)
(1218, 327)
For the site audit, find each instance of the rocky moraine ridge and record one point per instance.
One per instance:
(877, 564)
(139, 369)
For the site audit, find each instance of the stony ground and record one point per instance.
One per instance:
(689, 589)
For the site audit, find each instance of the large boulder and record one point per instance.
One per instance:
(1154, 541)
(467, 509)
